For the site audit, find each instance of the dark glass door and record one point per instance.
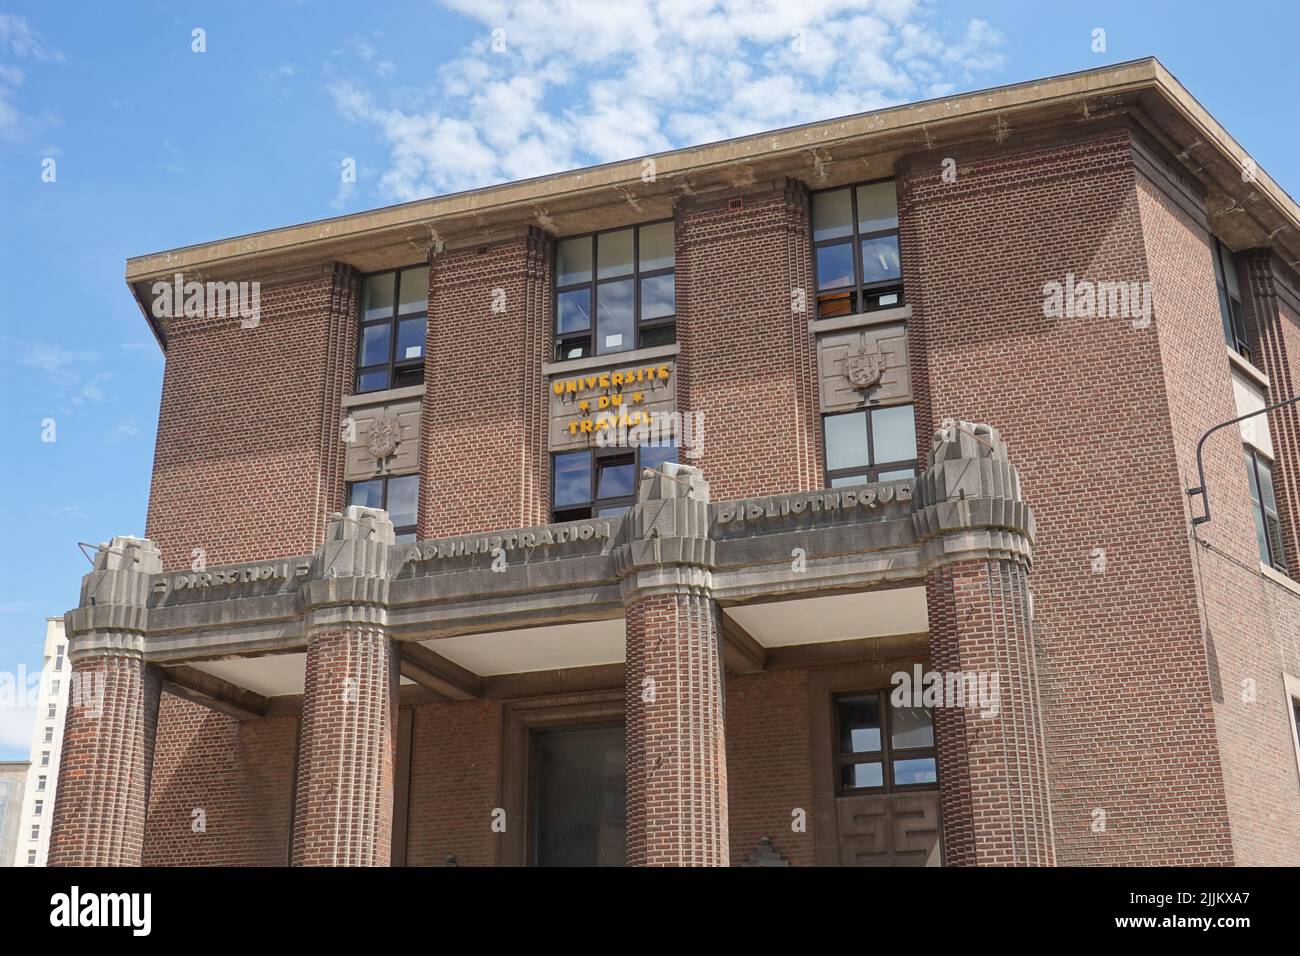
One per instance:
(579, 797)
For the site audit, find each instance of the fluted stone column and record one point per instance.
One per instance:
(109, 732)
(344, 805)
(676, 740)
(976, 534)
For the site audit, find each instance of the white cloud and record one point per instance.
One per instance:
(19, 40)
(590, 81)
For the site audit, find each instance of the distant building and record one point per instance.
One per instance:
(33, 834)
(13, 778)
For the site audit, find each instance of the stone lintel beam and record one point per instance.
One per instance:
(430, 669)
(204, 689)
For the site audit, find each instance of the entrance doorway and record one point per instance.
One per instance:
(578, 795)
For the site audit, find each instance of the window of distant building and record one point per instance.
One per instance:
(1230, 308)
(58, 658)
(36, 832)
(615, 291)
(390, 344)
(399, 495)
(49, 735)
(855, 249)
(1268, 526)
(31, 857)
(38, 807)
(882, 747)
(870, 444)
(45, 754)
(600, 482)
(40, 783)
(51, 711)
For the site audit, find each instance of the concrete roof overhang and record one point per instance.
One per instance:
(1245, 211)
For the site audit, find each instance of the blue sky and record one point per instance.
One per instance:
(157, 146)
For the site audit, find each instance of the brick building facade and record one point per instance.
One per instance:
(407, 597)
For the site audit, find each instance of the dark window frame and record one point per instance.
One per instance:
(870, 473)
(414, 368)
(565, 342)
(1274, 554)
(399, 531)
(859, 289)
(592, 506)
(1231, 311)
(887, 754)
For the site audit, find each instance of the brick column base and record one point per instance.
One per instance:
(676, 742)
(107, 760)
(992, 767)
(343, 814)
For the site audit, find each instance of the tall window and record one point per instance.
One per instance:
(872, 444)
(45, 757)
(398, 495)
(49, 735)
(58, 658)
(1230, 310)
(390, 346)
(600, 482)
(615, 291)
(1268, 527)
(855, 249)
(882, 747)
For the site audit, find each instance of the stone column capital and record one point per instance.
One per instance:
(348, 584)
(968, 503)
(113, 614)
(667, 548)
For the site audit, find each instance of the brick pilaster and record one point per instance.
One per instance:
(347, 742)
(112, 719)
(344, 805)
(992, 768)
(676, 741)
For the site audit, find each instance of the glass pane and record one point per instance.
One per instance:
(413, 375)
(573, 261)
(1230, 273)
(832, 215)
(615, 328)
(835, 266)
(658, 298)
(1266, 495)
(845, 481)
(414, 290)
(859, 719)
(877, 207)
(614, 253)
(846, 441)
(880, 259)
(910, 727)
(580, 797)
(611, 512)
(376, 340)
(377, 297)
(913, 771)
(573, 350)
(861, 775)
(616, 479)
(403, 499)
(657, 246)
(404, 537)
(572, 472)
(659, 335)
(895, 474)
(830, 304)
(410, 339)
(894, 432)
(373, 381)
(574, 309)
(652, 456)
(367, 494)
(1250, 477)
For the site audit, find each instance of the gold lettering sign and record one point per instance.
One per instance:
(609, 399)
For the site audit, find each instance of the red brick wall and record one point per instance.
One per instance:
(747, 361)
(484, 458)
(454, 778)
(240, 773)
(769, 768)
(248, 461)
(1128, 719)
